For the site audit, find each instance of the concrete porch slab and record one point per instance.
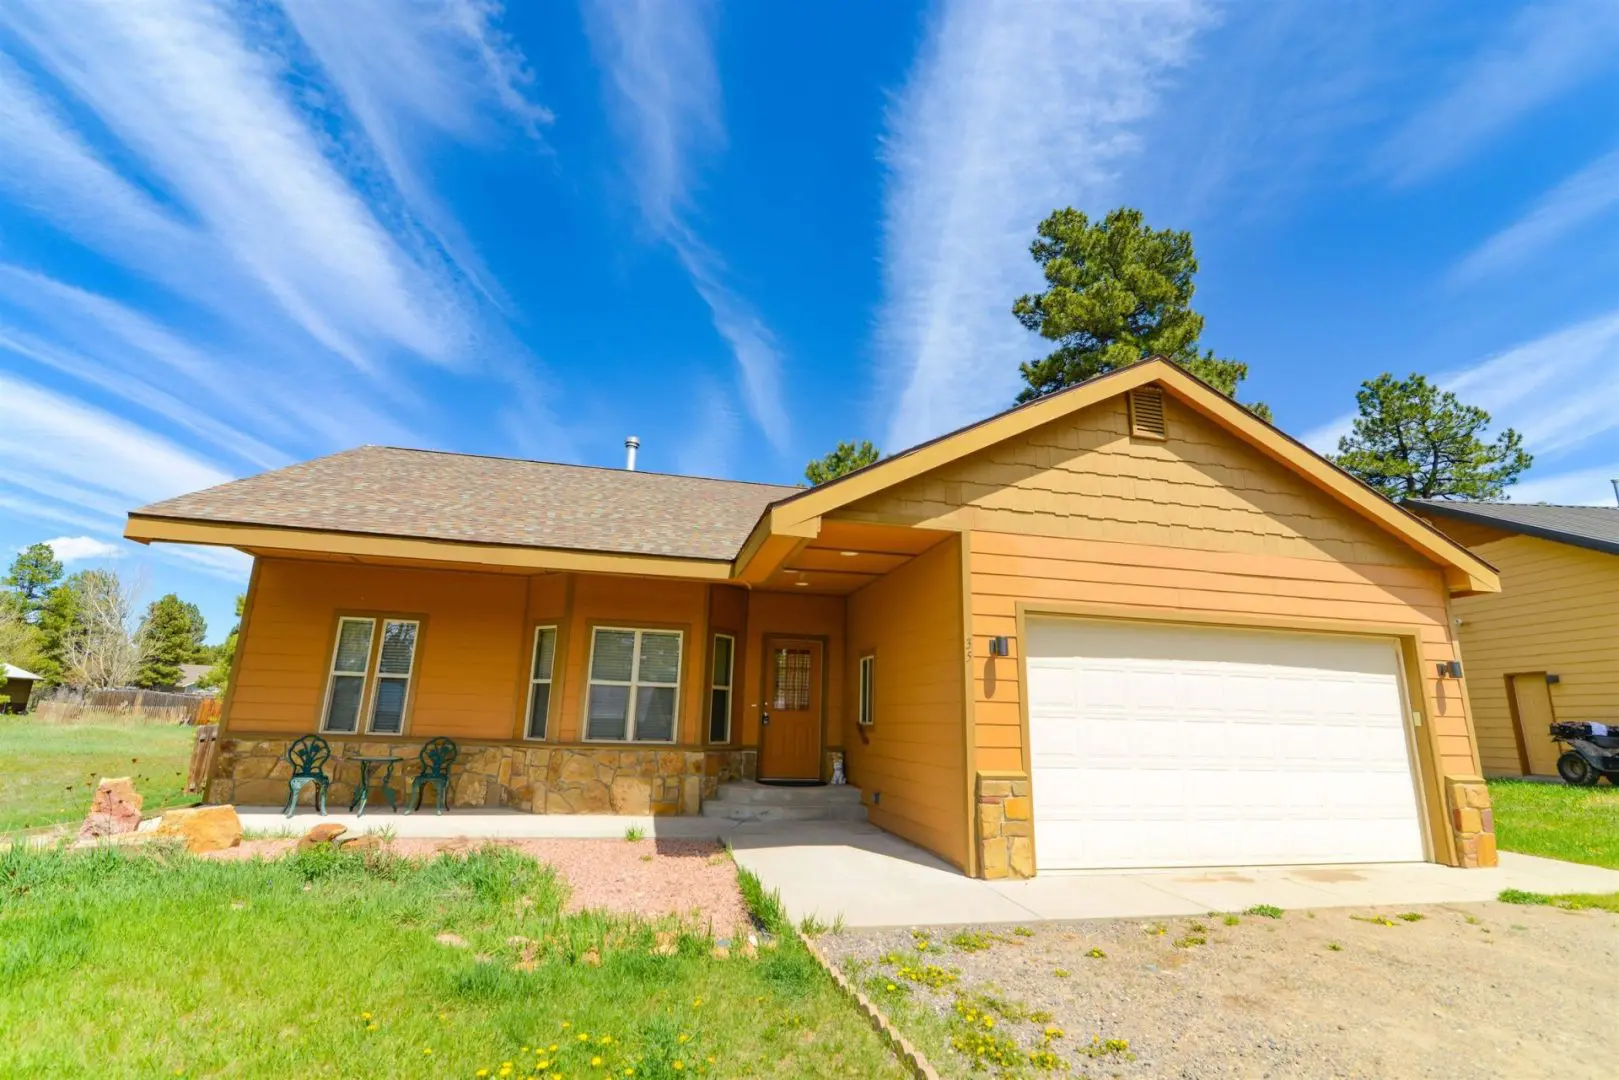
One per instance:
(511, 824)
(872, 878)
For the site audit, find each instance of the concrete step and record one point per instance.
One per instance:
(746, 800)
(736, 811)
(751, 791)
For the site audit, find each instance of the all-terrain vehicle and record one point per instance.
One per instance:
(1593, 752)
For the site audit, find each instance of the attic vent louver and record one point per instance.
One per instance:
(1147, 413)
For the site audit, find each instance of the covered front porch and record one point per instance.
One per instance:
(581, 691)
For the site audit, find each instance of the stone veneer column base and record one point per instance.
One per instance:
(1005, 815)
(539, 778)
(1471, 820)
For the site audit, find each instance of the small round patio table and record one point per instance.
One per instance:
(362, 790)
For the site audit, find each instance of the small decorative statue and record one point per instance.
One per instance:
(837, 769)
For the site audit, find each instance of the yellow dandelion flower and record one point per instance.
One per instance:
(525, 1049)
(679, 1065)
(553, 1048)
(567, 1023)
(372, 1026)
(684, 1037)
(543, 1065)
(505, 1064)
(605, 1039)
(711, 1059)
(891, 986)
(365, 1016)
(481, 1072)
(697, 1003)
(584, 1036)
(596, 1062)
(427, 1049)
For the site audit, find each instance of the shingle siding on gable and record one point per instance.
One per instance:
(1085, 478)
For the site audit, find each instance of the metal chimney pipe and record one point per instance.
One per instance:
(631, 445)
(1615, 484)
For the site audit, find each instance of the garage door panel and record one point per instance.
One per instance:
(1162, 746)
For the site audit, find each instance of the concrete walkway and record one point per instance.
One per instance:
(872, 878)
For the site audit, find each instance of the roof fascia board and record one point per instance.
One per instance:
(145, 530)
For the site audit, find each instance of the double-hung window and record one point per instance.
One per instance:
(373, 661)
(719, 692)
(634, 685)
(539, 686)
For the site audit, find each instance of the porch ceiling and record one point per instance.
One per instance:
(847, 555)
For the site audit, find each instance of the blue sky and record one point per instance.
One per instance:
(236, 237)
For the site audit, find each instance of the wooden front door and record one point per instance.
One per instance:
(1532, 705)
(790, 736)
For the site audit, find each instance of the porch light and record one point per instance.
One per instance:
(998, 646)
(1449, 669)
(1553, 680)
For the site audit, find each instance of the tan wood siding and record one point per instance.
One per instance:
(914, 754)
(468, 664)
(1086, 478)
(1557, 612)
(1079, 513)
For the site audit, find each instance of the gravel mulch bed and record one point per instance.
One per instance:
(1465, 991)
(693, 879)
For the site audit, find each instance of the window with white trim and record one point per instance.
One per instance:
(868, 678)
(368, 666)
(719, 690)
(634, 685)
(539, 680)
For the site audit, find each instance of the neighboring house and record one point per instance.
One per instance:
(1193, 640)
(16, 688)
(191, 675)
(1547, 647)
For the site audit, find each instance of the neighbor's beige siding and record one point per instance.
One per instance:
(1557, 612)
(1080, 513)
(915, 754)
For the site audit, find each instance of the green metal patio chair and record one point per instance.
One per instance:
(436, 758)
(306, 756)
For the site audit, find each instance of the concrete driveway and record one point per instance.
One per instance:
(875, 879)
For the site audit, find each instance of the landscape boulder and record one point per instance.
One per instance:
(320, 836)
(205, 828)
(355, 845)
(114, 809)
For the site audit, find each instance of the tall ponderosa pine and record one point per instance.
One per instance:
(34, 572)
(219, 674)
(1415, 441)
(171, 634)
(844, 460)
(1116, 293)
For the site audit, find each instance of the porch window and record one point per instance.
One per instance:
(719, 693)
(539, 687)
(361, 662)
(868, 677)
(634, 685)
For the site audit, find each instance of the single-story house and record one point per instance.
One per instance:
(191, 675)
(16, 688)
(1547, 647)
(1128, 624)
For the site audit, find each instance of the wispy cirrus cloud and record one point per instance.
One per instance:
(665, 91)
(1528, 388)
(1544, 52)
(1010, 110)
(260, 174)
(1581, 199)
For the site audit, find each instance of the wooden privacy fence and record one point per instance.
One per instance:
(202, 757)
(66, 705)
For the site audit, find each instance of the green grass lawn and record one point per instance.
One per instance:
(1557, 821)
(130, 963)
(49, 771)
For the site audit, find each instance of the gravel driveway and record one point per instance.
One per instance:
(1468, 990)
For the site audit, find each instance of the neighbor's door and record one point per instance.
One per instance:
(790, 738)
(1532, 704)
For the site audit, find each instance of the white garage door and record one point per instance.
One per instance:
(1158, 745)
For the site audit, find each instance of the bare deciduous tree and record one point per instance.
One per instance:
(105, 650)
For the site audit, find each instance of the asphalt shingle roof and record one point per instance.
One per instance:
(426, 494)
(1595, 527)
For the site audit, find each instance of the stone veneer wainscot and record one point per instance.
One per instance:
(571, 779)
